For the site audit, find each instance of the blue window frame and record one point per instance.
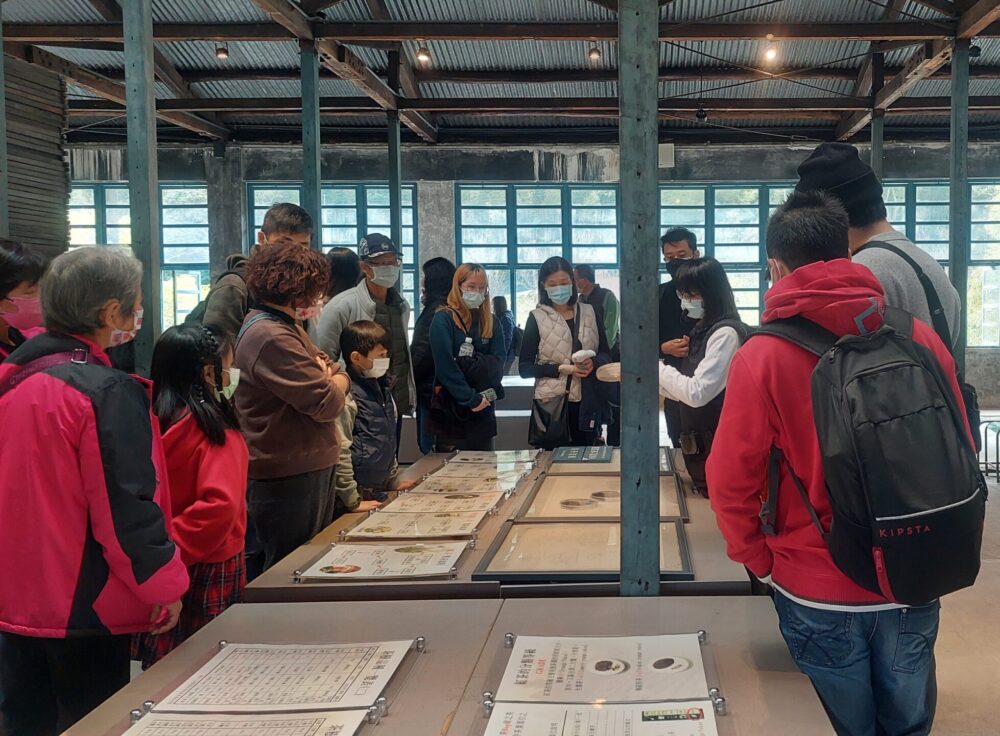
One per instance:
(349, 212)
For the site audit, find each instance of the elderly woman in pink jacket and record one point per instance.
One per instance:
(83, 502)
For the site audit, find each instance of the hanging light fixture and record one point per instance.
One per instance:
(594, 54)
(424, 54)
(221, 52)
(771, 54)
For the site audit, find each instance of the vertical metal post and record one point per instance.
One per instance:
(961, 206)
(143, 187)
(395, 159)
(638, 139)
(878, 116)
(4, 188)
(312, 188)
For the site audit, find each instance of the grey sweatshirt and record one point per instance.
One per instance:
(901, 285)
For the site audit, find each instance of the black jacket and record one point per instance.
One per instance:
(673, 323)
(420, 351)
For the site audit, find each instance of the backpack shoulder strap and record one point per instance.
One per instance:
(901, 322)
(81, 356)
(250, 323)
(799, 331)
(938, 319)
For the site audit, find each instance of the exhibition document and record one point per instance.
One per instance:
(431, 503)
(498, 457)
(327, 723)
(464, 485)
(348, 561)
(486, 473)
(576, 497)
(604, 669)
(654, 719)
(387, 525)
(282, 678)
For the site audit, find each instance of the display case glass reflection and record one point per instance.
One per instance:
(573, 498)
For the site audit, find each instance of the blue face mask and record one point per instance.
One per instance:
(560, 294)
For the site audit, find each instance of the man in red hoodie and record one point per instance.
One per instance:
(871, 661)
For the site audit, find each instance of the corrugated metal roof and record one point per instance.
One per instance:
(90, 58)
(208, 11)
(524, 121)
(274, 88)
(242, 55)
(767, 88)
(50, 11)
(477, 10)
(486, 91)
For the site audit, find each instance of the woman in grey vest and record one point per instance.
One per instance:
(558, 328)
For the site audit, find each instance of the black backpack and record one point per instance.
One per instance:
(907, 496)
(197, 315)
(970, 397)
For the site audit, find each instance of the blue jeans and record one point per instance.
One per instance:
(874, 671)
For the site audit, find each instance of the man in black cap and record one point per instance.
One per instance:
(896, 262)
(678, 245)
(376, 299)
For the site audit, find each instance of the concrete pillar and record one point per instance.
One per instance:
(436, 220)
(227, 206)
(311, 183)
(142, 177)
(638, 51)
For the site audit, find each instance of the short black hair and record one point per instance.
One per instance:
(500, 306)
(867, 214)
(19, 263)
(707, 277)
(362, 337)
(677, 234)
(808, 227)
(438, 274)
(285, 217)
(554, 265)
(179, 387)
(587, 272)
(345, 270)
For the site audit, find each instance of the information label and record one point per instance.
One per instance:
(583, 455)
(432, 503)
(275, 678)
(343, 723)
(348, 561)
(498, 457)
(387, 525)
(656, 719)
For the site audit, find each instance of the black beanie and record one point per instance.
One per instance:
(838, 169)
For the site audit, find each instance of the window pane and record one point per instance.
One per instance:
(737, 254)
(184, 235)
(484, 197)
(538, 254)
(737, 235)
(118, 236)
(926, 233)
(682, 196)
(986, 251)
(737, 196)
(672, 216)
(595, 235)
(186, 255)
(377, 196)
(81, 195)
(116, 195)
(117, 216)
(539, 197)
(595, 217)
(485, 217)
(894, 194)
(499, 284)
(746, 299)
(778, 196)
(594, 197)
(540, 216)
(378, 217)
(750, 317)
(340, 236)
(932, 194)
(984, 306)
(532, 235)
(409, 255)
(484, 255)
(743, 279)
(340, 216)
(82, 236)
(985, 231)
(982, 212)
(896, 212)
(266, 197)
(595, 255)
(933, 213)
(181, 292)
(484, 236)
(79, 217)
(192, 195)
(526, 297)
(339, 196)
(737, 216)
(185, 215)
(986, 192)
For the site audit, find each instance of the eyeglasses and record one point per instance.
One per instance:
(478, 289)
(383, 261)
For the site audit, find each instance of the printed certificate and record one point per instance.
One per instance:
(464, 485)
(343, 723)
(576, 497)
(695, 718)
(348, 561)
(499, 457)
(429, 503)
(604, 669)
(505, 472)
(387, 525)
(276, 678)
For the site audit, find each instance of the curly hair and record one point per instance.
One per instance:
(293, 276)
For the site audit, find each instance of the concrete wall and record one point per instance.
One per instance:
(436, 169)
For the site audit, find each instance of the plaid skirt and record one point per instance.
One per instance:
(214, 587)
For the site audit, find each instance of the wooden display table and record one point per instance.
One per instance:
(744, 655)
(422, 696)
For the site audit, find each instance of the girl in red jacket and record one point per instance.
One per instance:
(207, 462)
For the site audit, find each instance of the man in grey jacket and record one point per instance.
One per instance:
(376, 299)
(838, 169)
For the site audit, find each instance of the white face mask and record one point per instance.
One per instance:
(695, 308)
(227, 392)
(473, 299)
(120, 337)
(379, 368)
(385, 276)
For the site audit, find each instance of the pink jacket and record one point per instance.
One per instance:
(84, 502)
